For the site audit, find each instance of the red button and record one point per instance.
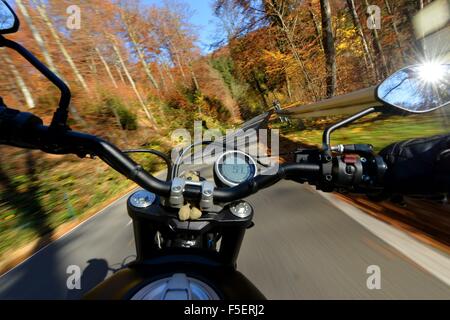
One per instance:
(350, 158)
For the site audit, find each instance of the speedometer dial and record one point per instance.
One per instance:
(233, 168)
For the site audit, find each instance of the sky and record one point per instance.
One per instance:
(202, 17)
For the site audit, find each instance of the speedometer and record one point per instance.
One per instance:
(233, 168)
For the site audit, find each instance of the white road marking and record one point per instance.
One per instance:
(435, 262)
(129, 222)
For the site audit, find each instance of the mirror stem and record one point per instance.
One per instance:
(60, 116)
(327, 133)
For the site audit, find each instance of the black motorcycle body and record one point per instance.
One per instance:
(190, 250)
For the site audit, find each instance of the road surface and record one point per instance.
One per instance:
(303, 246)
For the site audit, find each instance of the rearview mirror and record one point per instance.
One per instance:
(418, 88)
(8, 19)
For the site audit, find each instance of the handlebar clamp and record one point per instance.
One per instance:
(176, 199)
(207, 201)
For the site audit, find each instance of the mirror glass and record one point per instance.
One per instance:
(7, 19)
(417, 89)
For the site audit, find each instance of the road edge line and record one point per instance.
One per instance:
(52, 241)
(430, 259)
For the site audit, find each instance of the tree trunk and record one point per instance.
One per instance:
(134, 40)
(108, 70)
(37, 36)
(378, 48)
(119, 72)
(297, 57)
(42, 11)
(133, 85)
(260, 91)
(288, 86)
(316, 24)
(177, 56)
(19, 81)
(92, 65)
(141, 57)
(329, 49)
(161, 77)
(277, 12)
(394, 27)
(420, 4)
(194, 77)
(357, 23)
(47, 57)
(166, 69)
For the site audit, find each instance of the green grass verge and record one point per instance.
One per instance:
(379, 133)
(35, 204)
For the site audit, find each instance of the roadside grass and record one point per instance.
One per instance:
(33, 206)
(39, 192)
(379, 132)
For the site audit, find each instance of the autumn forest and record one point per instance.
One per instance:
(137, 72)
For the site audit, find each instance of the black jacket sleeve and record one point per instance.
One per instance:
(418, 166)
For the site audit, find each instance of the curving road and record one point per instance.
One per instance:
(305, 245)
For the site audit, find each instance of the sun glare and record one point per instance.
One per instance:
(431, 72)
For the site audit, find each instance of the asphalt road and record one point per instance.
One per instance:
(302, 247)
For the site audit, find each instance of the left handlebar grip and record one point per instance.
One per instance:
(16, 128)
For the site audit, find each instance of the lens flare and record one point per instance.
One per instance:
(431, 72)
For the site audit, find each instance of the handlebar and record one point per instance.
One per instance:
(85, 144)
(82, 144)
(27, 131)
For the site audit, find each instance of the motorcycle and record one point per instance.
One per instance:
(195, 258)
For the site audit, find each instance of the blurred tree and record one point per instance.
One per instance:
(390, 11)
(37, 36)
(317, 27)
(329, 49)
(379, 54)
(134, 25)
(133, 84)
(42, 9)
(367, 54)
(283, 14)
(18, 78)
